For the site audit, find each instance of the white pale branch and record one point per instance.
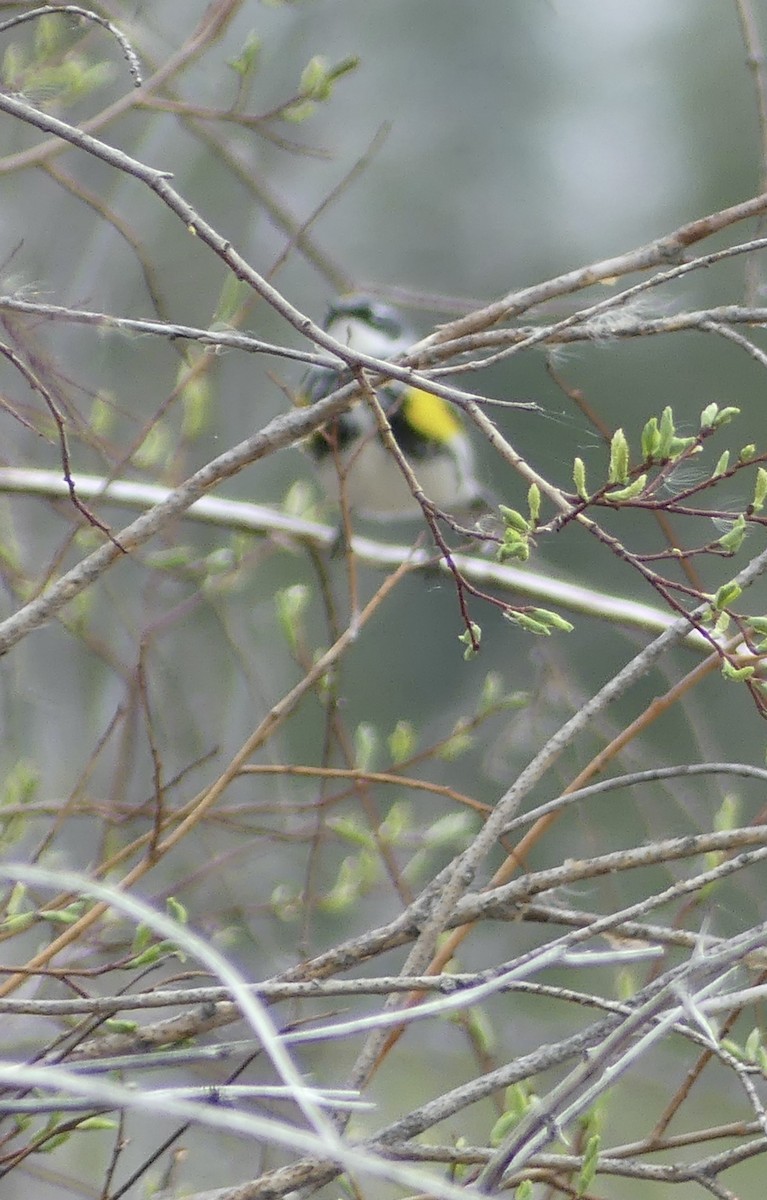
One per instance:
(263, 519)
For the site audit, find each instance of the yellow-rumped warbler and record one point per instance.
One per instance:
(349, 452)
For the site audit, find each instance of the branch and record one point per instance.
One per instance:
(262, 519)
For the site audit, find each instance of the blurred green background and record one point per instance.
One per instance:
(520, 140)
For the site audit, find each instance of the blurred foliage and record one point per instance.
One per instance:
(156, 734)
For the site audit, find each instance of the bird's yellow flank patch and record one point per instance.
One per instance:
(431, 416)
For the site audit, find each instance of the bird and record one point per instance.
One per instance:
(349, 453)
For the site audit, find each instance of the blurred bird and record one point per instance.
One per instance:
(428, 430)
